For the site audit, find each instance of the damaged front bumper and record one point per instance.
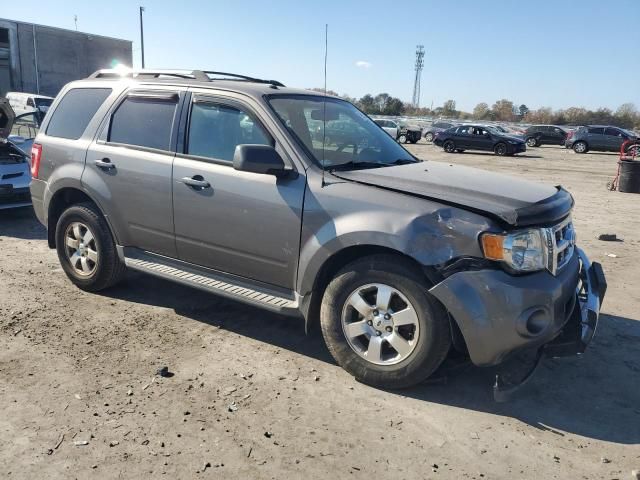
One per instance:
(500, 315)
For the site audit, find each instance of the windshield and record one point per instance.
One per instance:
(348, 138)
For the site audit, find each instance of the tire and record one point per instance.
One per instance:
(402, 139)
(429, 137)
(580, 147)
(533, 142)
(500, 149)
(633, 150)
(93, 264)
(449, 146)
(425, 343)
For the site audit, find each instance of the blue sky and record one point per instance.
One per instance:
(555, 53)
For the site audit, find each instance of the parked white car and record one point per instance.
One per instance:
(28, 102)
(388, 126)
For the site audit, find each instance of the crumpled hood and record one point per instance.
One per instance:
(7, 116)
(508, 199)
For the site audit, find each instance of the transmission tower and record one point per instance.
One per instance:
(416, 82)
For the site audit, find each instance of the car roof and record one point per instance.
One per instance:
(250, 86)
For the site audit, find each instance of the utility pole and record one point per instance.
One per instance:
(75, 19)
(416, 82)
(141, 36)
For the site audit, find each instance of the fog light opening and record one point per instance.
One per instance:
(537, 322)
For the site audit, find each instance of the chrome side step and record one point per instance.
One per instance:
(211, 281)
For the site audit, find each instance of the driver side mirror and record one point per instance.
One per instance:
(259, 159)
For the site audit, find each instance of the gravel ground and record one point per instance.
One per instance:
(252, 397)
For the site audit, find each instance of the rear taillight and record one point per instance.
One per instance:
(569, 135)
(36, 156)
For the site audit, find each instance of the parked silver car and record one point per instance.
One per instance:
(225, 185)
(15, 174)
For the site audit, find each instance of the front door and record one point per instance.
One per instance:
(128, 169)
(614, 139)
(481, 139)
(242, 223)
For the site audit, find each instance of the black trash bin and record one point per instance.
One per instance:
(629, 180)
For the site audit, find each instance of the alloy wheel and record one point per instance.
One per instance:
(80, 248)
(380, 324)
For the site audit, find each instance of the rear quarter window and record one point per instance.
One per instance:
(75, 111)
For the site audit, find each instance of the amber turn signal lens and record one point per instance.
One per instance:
(492, 246)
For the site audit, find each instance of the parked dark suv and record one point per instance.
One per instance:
(601, 138)
(219, 184)
(478, 137)
(537, 135)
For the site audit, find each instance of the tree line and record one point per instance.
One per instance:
(503, 110)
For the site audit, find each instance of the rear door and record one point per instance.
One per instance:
(128, 168)
(595, 137)
(241, 223)
(462, 137)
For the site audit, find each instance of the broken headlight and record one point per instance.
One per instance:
(522, 251)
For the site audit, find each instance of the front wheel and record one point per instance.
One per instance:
(381, 325)
(449, 146)
(429, 137)
(86, 249)
(500, 149)
(402, 139)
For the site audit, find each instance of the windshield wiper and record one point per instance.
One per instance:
(357, 165)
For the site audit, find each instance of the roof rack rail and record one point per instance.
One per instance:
(243, 78)
(201, 75)
(148, 73)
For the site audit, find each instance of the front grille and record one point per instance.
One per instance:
(561, 240)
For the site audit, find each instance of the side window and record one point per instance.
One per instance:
(75, 111)
(465, 130)
(144, 121)
(216, 130)
(614, 132)
(30, 102)
(595, 131)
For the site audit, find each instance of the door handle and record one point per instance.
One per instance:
(197, 182)
(105, 163)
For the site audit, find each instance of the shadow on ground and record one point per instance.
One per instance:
(21, 223)
(596, 396)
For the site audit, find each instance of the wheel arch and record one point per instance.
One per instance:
(59, 202)
(342, 257)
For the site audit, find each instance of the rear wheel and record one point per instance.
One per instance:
(429, 137)
(580, 147)
(381, 325)
(86, 249)
(449, 146)
(532, 142)
(500, 149)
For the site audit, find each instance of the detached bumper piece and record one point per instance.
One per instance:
(577, 332)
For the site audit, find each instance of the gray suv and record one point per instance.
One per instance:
(602, 138)
(221, 182)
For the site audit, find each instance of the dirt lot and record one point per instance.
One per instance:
(253, 397)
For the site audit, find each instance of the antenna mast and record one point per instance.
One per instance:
(416, 81)
(324, 102)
